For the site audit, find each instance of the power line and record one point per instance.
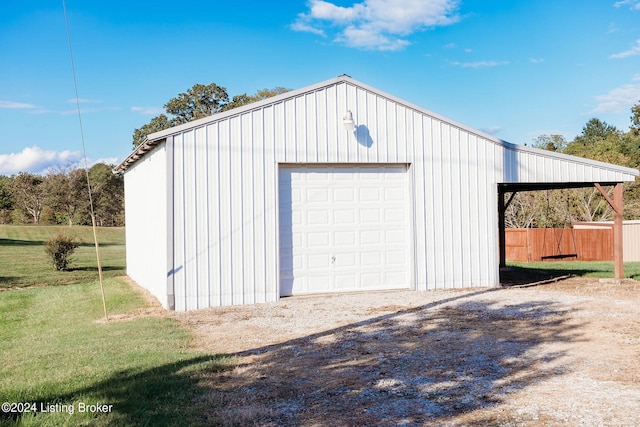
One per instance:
(86, 164)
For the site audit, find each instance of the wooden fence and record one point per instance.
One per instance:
(559, 244)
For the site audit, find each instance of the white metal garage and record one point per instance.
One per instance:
(333, 187)
(343, 228)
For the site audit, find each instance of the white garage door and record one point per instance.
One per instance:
(343, 229)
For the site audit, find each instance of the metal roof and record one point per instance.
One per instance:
(156, 138)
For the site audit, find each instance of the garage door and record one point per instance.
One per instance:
(343, 229)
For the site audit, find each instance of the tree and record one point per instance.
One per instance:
(589, 205)
(595, 131)
(635, 120)
(66, 195)
(524, 210)
(550, 142)
(6, 199)
(156, 124)
(107, 190)
(198, 102)
(238, 101)
(29, 192)
(268, 93)
(244, 99)
(600, 141)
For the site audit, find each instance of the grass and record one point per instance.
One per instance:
(56, 350)
(597, 269)
(56, 353)
(24, 263)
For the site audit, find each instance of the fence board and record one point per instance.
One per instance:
(539, 244)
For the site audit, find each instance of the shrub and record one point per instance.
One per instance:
(60, 248)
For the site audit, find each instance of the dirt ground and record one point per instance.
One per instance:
(559, 354)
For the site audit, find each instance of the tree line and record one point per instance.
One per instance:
(198, 102)
(62, 197)
(598, 140)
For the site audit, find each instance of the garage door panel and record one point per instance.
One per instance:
(370, 258)
(346, 227)
(344, 238)
(369, 216)
(369, 194)
(343, 195)
(371, 237)
(344, 282)
(320, 239)
(316, 195)
(344, 216)
(395, 236)
(317, 217)
(317, 283)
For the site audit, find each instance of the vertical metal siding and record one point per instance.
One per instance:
(214, 210)
(226, 178)
(521, 166)
(148, 227)
(224, 286)
(178, 228)
(420, 222)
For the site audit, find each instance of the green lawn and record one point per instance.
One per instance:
(23, 261)
(598, 269)
(58, 353)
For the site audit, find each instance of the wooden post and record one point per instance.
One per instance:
(617, 231)
(617, 204)
(501, 227)
(502, 233)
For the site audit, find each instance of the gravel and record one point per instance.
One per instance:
(564, 354)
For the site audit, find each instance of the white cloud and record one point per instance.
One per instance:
(536, 60)
(15, 105)
(376, 24)
(366, 38)
(479, 64)
(633, 4)
(36, 160)
(306, 28)
(108, 161)
(619, 99)
(493, 130)
(147, 110)
(635, 50)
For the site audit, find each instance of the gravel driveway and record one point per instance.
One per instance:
(564, 354)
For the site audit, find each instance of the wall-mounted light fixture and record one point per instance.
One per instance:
(348, 122)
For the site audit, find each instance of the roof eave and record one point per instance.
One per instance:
(157, 137)
(154, 138)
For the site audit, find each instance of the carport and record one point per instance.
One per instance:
(506, 193)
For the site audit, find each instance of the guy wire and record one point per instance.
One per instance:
(86, 165)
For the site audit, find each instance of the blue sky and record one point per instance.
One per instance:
(515, 69)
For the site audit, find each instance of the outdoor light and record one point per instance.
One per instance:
(347, 121)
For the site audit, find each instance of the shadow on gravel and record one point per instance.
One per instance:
(430, 364)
